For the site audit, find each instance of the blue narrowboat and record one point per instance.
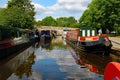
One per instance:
(45, 34)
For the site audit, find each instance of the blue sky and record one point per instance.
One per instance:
(57, 8)
(45, 2)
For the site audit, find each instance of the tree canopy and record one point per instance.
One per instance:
(67, 22)
(48, 21)
(102, 13)
(18, 14)
(61, 22)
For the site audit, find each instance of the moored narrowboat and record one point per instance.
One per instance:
(88, 39)
(72, 35)
(45, 35)
(64, 32)
(13, 40)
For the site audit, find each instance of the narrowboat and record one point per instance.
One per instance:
(34, 35)
(13, 40)
(64, 32)
(88, 39)
(72, 35)
(45, 34)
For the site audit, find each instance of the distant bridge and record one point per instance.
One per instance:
(58, 29)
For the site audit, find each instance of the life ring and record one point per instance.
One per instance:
(112, 71)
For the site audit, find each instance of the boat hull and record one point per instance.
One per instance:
(5, 52)
(96, 46)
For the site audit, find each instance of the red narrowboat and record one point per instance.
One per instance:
(72, 35)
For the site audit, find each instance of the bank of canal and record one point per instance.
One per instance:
(54, 60)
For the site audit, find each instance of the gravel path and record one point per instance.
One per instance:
(115, 42)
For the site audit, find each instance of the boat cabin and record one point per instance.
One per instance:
(88, 34)
(45, 34)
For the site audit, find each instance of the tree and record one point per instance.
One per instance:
(24, 5)
(67, 22)
(85, 19)
(48, 21)
(72, 22)
(62, 21)
(2, 16)
(18, 14)
(102, 13)
(38, 23)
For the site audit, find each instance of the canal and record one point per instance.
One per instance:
(54, 60)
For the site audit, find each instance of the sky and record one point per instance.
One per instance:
(56, 8)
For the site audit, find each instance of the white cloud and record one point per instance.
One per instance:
(71, 4)
(49, 12)
(70, 7)
(42, 10)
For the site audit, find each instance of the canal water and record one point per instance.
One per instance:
(54, 60)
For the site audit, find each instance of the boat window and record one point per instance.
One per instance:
(88, 32)
(93, 32)
(83, 32)
(47, 32)
(42, 32)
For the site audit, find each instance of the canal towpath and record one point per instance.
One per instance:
(115, 42)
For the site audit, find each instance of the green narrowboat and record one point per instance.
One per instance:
(91, 41)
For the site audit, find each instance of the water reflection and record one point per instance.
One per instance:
(11, 66)
(59, 43)
(50, 44)
(26, 67)
(64, 41)
(59, 64)
(94, 62)
(45, 43)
